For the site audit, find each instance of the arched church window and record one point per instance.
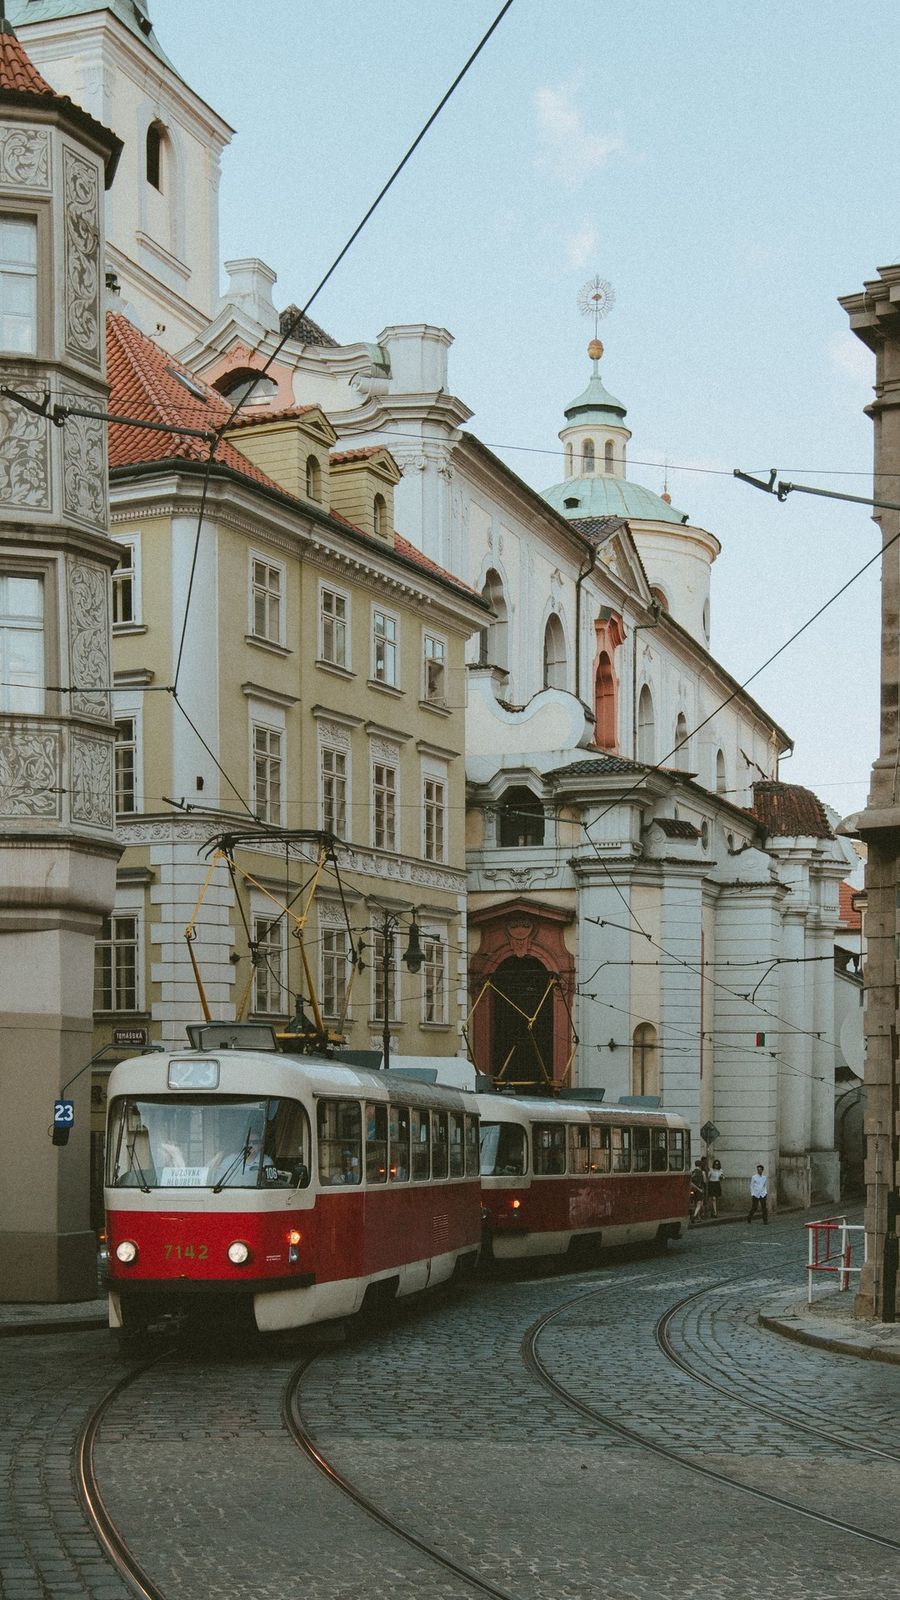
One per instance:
(587, 456)
(245, 383)
(554, 654)
(660, 596)
(493, 646)
(156, 135)
(681, 752)
(569, 461)
(721, 774)
(605, 731)
(608, 455)
(521, 819)
(646, 729)
(644, 1060)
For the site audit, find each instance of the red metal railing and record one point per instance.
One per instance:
(830, 1250)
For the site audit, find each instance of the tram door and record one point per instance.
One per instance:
(522, 1057)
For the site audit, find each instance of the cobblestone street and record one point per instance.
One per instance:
(438, 1420)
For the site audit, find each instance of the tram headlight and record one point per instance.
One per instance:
(238, 1253)
(293, 1240)
(126, 1252)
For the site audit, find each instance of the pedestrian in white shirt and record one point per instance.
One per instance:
(759, 1194)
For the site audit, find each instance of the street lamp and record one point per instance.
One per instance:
(413, 957)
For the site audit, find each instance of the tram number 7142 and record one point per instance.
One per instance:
(186, 1252)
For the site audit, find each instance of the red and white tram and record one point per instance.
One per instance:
(292, 1184)
(558, 1174)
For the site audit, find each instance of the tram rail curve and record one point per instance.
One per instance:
(102, 1523)
(538, 1370)
(664, 1340)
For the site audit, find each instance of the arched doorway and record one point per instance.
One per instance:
(522, 969)
(522, 1024)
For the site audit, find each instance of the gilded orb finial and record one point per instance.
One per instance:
(595, 349)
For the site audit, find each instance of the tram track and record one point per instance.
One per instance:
(115, 1546)
(663, 1337)
(541, 1373)
(296, 1427)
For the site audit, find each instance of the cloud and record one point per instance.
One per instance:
(568, 151)
(581, 247)
(851, 358)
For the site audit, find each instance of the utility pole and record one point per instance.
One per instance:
(413, 957)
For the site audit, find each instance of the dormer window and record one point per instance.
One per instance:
(18, 284)
(587, 456)
(313, 479)
(155, 139)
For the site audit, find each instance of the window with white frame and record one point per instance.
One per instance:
(384, 805)
(434, 980)
(117, 976)
(18, 284)
(126, 765)
(435, 664)
(334, 616)
(334, 775)
(266, 599)
(434, 811)
(267, 756)
(378, 977)
(126, 586)
(334, 970)
(269, 973)
(21, 642)
(384, 648)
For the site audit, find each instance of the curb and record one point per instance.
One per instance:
(824, 1341)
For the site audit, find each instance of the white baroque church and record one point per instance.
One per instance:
(651, 911)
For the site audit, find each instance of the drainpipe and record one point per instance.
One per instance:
(656, 612)
(578, 582)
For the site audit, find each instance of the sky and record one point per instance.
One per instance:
(729, 168)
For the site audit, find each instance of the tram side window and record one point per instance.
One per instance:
(398, 1126)
(457, 1149)
(472, 1162)
(659, 1160)
(579, 1148)
(376, 1143)
(340, 1139)
(621, 1149)
(549, 1143)
(641, 1151)
(439, 1163)
(599, 1148)
(419, 1130)
(676, 1150)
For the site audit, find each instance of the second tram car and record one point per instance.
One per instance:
(292, 1184)
(558, 1174)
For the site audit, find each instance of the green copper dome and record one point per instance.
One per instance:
(602, 495)
(596, 404)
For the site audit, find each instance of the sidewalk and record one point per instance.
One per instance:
(829, 1324)
(75, 1318)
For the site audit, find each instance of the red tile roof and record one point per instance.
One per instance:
(250, 419)
(145, 384)
(357, 455)
(18, 74)
(786, 810)
(850, 917)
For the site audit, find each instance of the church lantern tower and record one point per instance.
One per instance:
(58, 849)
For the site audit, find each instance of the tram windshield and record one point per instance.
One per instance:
(207, 1143)
(502, 1150)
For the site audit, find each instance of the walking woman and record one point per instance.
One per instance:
(714, 1186)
